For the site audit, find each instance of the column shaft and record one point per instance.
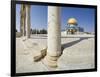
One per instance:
(22, 20)
(54, 36)
(54, 32)
(27, 21)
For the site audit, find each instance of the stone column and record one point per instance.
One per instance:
(54, 36)
(22, 20)
(27, 21)
(24, 27)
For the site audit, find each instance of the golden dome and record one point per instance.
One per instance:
(72, 21)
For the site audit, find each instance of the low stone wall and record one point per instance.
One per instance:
(18, 34)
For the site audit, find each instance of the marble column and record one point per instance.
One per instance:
(27, 21)
(54, 36)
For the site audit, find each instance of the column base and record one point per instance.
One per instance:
(51, 61)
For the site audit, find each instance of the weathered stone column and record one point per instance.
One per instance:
(21, 26)
(54, 36)
(22, 20)
(27, 21)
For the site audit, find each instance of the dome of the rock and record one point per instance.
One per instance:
(72, 21)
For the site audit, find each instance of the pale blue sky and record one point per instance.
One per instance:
(84, 16)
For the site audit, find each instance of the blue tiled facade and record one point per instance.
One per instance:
(73, 29)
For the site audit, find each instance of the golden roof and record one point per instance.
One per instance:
(72, 21)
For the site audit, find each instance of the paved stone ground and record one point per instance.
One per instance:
(78, 53)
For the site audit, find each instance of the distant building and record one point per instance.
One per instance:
(72, 27)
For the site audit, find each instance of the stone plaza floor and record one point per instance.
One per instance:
(78, 53)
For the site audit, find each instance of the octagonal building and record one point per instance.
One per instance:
(72, 27)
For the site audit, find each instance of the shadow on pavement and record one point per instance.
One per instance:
(66, 45)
